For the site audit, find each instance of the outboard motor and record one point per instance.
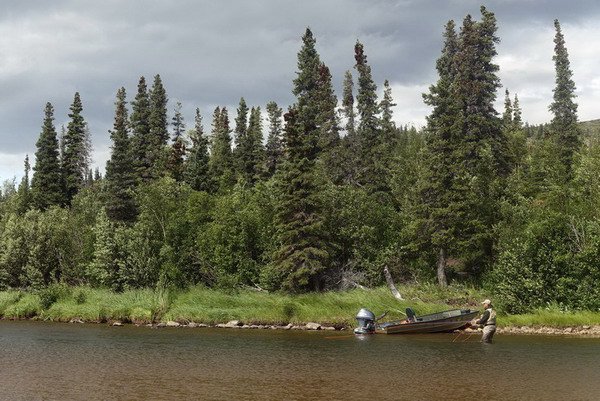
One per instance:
(366, 322)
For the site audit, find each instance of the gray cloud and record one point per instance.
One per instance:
(211, 53)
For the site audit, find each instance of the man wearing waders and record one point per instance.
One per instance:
(487, 321)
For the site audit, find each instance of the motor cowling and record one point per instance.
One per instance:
(365, 321)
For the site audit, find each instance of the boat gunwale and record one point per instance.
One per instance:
(416, 324)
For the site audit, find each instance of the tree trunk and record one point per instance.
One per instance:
(390, 283)
(441, 268)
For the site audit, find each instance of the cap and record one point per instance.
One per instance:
(487, 301)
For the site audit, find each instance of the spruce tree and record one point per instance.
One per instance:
(140, 140)
(120, 177)
(175, 165)
(241, 125)
(76, 153)
(437, 193)
(507, 116)
(306, 90)
(467, 150)
(221, 165)
(564, 127)
(350, 147)
(302, 256)
(327, 118)
(241, 138)
(517, 137)
(388, 126)
(197, 166)
(24, 191)
(158, 128)
(251, 155)
(46, 185)
(490, 125)
(348, 104)
(389, 131)
(61, 145)
(372, 170)
(517, 118)
(274, 146)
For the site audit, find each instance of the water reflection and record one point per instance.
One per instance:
(93, 362)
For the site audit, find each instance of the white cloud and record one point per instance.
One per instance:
(11, 166)
(410, 109)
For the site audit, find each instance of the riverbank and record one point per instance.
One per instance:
(202, 307)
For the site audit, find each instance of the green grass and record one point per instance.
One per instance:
(8, 298)
(102, 305)
(202, 305)
(209, 306)
(551, 317)
(24, 306)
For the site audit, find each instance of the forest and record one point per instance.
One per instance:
(323, 194)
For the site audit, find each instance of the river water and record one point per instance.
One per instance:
(55, 361)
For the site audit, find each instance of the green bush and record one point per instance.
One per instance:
(52, 293)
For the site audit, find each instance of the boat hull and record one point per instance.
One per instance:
(435, 323)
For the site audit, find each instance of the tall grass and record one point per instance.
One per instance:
(22, 306)
(552, 316)
(101, 305)
(203, 305)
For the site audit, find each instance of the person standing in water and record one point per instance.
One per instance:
(487, 321)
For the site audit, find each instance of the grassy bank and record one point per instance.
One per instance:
(202, 305)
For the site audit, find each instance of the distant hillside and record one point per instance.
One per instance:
(591, 128)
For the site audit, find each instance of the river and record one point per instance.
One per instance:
(52, 361)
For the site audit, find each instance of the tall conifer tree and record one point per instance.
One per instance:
(240, 136)
(252, 153)
(477, 149)
(274, 146)
(46, 185)
(348, 104)
(389, 131)
(158, 126)
(175, 165)
(302, 257)
(372, 172)
(507, 116)
(140, 140)
(327, 118)
(388, 126)
(350, 149)
(76, 152)
(437, 192)
(120, 177)
(221, 158)
(564, 127)
(24, 191)
(517, 118)
(197, 166)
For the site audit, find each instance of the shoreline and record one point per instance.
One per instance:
(333, 311)
(585, 331)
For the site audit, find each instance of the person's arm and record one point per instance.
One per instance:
(484, 318)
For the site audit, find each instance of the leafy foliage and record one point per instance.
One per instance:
(328, 202)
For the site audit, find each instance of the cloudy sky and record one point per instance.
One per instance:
(213, 52)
